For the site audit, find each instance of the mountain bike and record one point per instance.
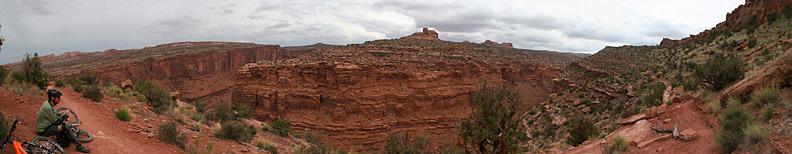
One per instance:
(82, 135)
(39, 145)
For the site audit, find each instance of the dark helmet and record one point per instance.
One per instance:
(54, 93)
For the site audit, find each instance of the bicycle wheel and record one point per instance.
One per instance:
(73, 115)
(52, 147)
(82, 135)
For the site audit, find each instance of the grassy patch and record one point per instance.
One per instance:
(123, 114)
(767, 95)
(234, 130)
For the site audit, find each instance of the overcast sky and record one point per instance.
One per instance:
(59, 26)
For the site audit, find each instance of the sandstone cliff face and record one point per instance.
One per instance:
(196, 69)
(357, 94)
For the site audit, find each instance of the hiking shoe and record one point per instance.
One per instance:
(83, 149)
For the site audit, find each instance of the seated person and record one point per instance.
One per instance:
(49, 123)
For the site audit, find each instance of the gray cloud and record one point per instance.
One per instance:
(38, 6)
(568, 26)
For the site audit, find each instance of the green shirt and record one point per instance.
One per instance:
(46, 116)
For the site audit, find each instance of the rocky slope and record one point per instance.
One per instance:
(199, 70)
(357, 94)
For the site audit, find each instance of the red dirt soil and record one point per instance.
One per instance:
(110, 134)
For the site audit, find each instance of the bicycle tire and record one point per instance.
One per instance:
(46, 142)
(82, 135)
(74, 115)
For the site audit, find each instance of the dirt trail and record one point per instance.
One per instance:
(110, 134)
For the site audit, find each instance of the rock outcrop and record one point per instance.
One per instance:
(357, 94)
(426, 34)
(493, 43)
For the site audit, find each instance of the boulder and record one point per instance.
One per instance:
(688, 135)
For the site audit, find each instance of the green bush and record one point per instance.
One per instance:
(767, 95)
(156, 97)
(494, 115)
(772, 17)
(77, 88)
(401, 144)
(787, 11)
(734, 119)
(5, 125)
(234, 130)
(89, 78)
(123, 114)
(767, 113)
(690, 85)
(617, 144)
(225, 111)
(264, 128)
(580, 130)
(3, 74)
(280, 126)
(93, 92)
(169, 133)
(59, 83)
(312, 137)
(32, 73)
(270, 148)
(654, 95)
(719, 71)
(196, 127)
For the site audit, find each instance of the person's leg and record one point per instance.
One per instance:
(51, 130)
(72, 137)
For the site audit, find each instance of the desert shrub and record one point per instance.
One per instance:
(714, 107)
(3, 74)
(264, 127)
(156, 97)
(123, 114)
(617, 144)
(312, 137)
(196, 127)
(169, 133)
(787, 12)
(77, 88)
(772, 17)
(401, 144)
(654, 95)
(767, 95)
(89, 78)
(755, 134)
(280, 126)
(59, 83)
(580, 130)
(21, 88)
(5, 125)
(234, 130)
(690, 85)
(225, 111)
(719, 71)
(767, 113)
(93, 92)
(270, 148)
(495, 114)
(733, 120)
(32, 73)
